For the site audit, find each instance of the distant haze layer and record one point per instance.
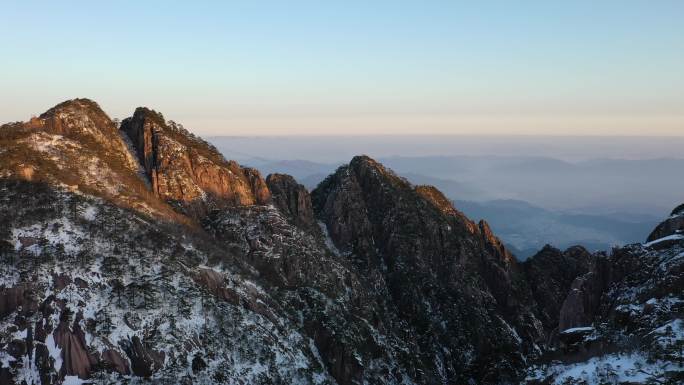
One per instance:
(342, 148)
(533, 190)
(638, 175)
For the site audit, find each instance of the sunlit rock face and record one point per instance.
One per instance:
(76, 146)
(187, 171)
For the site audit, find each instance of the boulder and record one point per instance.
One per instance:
(76, 359)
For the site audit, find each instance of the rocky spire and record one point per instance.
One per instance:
(187, 171)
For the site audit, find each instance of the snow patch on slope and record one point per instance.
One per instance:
(56, 232)
(613, 369)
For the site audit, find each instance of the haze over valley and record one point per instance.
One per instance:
(591, 191)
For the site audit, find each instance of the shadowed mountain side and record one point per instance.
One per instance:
(525, 228)
(434, 266)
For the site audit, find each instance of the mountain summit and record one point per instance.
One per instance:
(187, 171)
(138, 253)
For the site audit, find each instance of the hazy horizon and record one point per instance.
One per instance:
(340, 148)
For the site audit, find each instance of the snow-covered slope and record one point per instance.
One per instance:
(91, 290)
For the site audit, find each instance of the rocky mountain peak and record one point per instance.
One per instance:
(678, 210)
(74, 106)
(420, 250)
(76, 146)
(79, 118)
(77, 106)
(369, 171)
(365, 161)
(187, 171)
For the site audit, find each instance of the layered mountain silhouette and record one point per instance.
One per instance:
(139, 254)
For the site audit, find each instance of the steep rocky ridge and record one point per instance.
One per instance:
(187, 171)
(75, 145)
(447, 279)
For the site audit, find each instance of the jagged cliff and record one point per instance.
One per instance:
(292, 199)
(76, 146)
(622, 320)
(139, 254)
(550, 274)
(187, 171)
(449, 280)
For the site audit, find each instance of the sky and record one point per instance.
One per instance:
(355, 67)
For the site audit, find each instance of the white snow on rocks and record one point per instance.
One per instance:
(670, 334)
(584, 329)
(328, 241)
(54, 350)
(74, 380)
(673, 237)
(60, 231)
(89, 213)
(608, 369)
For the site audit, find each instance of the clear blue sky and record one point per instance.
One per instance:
(290, 67)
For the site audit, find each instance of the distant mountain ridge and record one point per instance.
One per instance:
(598, 186)
(140, 254)
(515, 221)
(524, 227)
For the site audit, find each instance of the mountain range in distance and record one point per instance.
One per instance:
(587, 186)
(526, 228)
(595, 223)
